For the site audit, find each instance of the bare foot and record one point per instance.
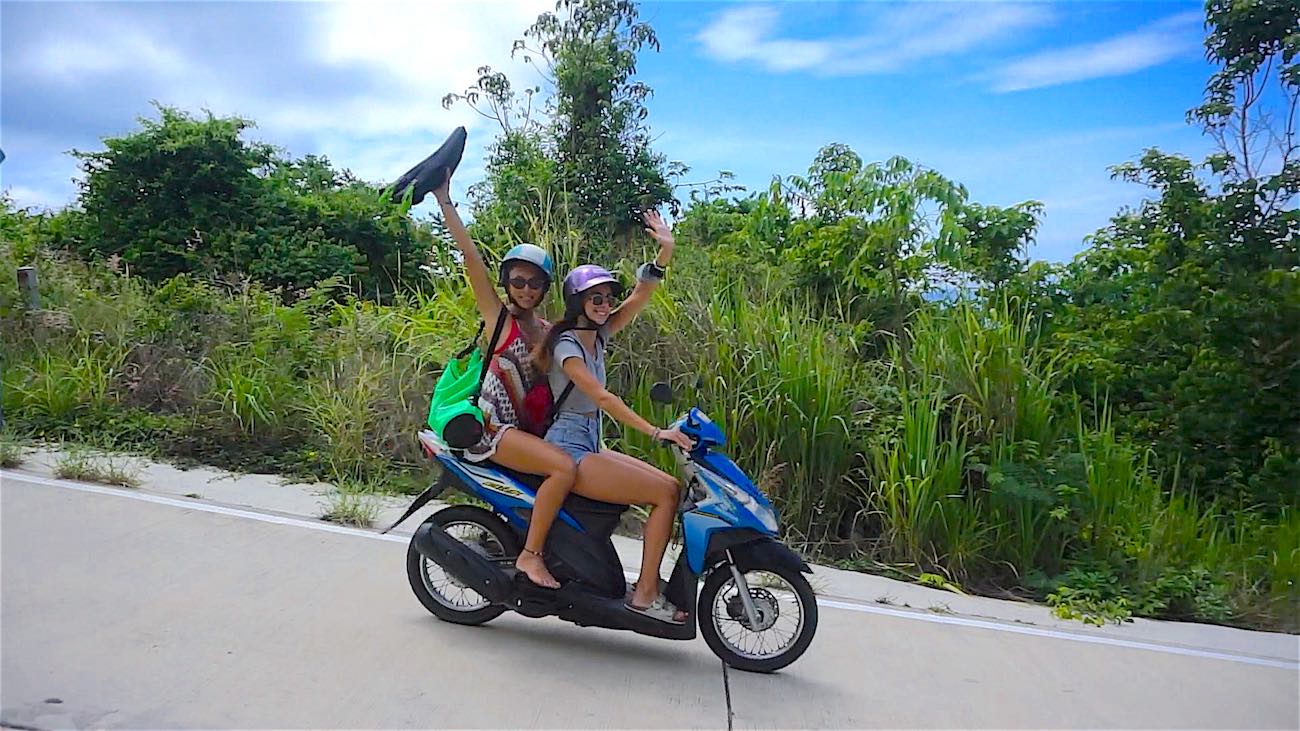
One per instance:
(533, 566)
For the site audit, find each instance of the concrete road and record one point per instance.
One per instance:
(116, 611)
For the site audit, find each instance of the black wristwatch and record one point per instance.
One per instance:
(651, 272)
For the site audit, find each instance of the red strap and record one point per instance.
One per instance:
(515, 332)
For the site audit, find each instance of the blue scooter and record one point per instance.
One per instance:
(756, 610)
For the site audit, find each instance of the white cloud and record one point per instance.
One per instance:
(360, 82)
(899, 36)
(1154, 44)
(414, 40)
(425, 50)
(37, 199)
(88, 43)
(68, 57)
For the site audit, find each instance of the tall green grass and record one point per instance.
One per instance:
(56, 385)
(926, 516)
(797, 409)
(966, 459)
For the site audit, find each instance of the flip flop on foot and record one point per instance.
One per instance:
(660, 609)
(534, 567)
(631, 590)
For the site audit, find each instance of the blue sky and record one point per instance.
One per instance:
(1015, 100)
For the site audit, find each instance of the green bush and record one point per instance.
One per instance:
(191, 195)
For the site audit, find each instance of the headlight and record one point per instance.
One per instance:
(762, 512)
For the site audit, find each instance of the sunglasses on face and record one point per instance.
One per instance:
(599, 299)
(531, 283)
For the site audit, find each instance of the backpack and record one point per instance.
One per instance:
(454, 414)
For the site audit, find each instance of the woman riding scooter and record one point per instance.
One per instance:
(574, 352)
(515, 393)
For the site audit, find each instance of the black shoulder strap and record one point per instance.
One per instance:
(491, 349)
(473, 342)
(555, 409)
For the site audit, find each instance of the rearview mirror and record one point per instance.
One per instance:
(661, 393)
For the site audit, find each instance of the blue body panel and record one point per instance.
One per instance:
(504, 493)
(717, 510)
(722, 464)
(698, 425)
(698, 528)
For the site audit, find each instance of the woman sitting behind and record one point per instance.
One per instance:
(514, 393)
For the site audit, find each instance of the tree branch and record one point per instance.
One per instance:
(1244, 125)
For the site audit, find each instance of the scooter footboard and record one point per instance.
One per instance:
(588, 610)
(462, 562)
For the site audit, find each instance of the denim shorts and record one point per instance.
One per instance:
(575, 433)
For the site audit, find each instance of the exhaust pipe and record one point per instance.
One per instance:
(462, 562)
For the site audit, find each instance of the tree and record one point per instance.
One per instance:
(601, 141)
(590, 162)
(190, 195)
(493, 97)
(996, 241)
(716, 222)
(870, 232)
(1182, 313)
(1182, 316)
(156, 197)
(1251, 101)
(519, 193)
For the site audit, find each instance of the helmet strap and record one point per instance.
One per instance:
(515, 306)
(589, 326)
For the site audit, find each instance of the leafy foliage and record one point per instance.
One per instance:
(189, 195)
(590, 161)
(1182, 315)
(1115, 436)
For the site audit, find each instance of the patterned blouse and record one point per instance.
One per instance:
(510, 377)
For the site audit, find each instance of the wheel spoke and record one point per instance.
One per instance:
(779, 611)
(446, 590)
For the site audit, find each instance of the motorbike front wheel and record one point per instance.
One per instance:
(439, 592)
(786, 613)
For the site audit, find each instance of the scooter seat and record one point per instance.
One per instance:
(573, 502)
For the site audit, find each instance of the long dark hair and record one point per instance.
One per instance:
(573, 319)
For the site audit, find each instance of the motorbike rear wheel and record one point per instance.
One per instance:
(787, 618)
(442, 594)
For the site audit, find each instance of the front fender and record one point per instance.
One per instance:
(753, 551)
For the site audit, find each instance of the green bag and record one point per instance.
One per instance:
(454, 414)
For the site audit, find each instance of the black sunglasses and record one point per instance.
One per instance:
(531, 283)
(599, 299)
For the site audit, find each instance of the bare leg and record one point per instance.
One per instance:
(609, 477)
(523, 452)
(646, 467)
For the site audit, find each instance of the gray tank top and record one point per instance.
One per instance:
(568, 346)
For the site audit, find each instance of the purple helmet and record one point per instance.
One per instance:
(587, 276)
